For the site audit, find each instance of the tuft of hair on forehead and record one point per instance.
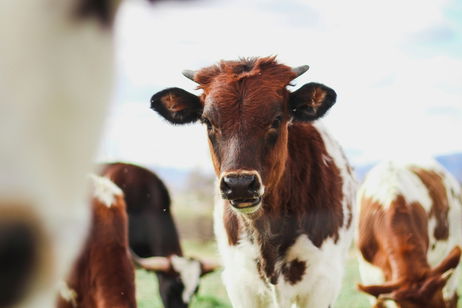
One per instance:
(236, 70)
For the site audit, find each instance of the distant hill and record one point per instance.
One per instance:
(452, 162)
(177, 179)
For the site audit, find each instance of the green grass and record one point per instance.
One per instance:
(213, 295)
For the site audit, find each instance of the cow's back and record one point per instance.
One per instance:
(427, 186)
(152, 231)
(103, 275)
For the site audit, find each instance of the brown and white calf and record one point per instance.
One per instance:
(103, 275)
(152, 233)
(284, 219)
(409, 235)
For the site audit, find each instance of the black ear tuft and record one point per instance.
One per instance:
(177, 105)
(311, 101)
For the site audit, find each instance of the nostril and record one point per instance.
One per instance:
(254, 186)
(18, 251)
(224, 185)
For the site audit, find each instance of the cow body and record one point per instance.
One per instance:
(295, 256)
(409, 235)
(284, 219)
(103, 275)
(152, 231)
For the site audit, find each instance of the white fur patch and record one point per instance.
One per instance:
(104, 190)
(389, 179)
(190, 271)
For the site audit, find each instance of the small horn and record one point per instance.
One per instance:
(189, 74)
(299, 70)
(158, 264)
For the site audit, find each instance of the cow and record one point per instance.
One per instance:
(56, 71)
(152, 233)
(409, 235)
(283, 216)
(103, 275)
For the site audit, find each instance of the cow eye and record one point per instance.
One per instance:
(207, 123)
(276, 122)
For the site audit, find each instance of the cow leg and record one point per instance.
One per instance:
(244, 293)
(322, 294)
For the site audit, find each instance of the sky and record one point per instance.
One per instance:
(396, 67)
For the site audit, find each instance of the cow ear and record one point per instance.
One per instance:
(311, 102)
(177, 105)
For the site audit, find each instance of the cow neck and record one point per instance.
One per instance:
(307, 200)
(406, 241)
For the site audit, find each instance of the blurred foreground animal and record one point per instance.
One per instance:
(283, 217)
(56, 69)
(410, 235)
(103, 274)
(153, 235)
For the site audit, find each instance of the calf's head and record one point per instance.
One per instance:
(247, 109)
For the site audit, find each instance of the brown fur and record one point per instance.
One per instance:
(440, 206)
(103, 275)
(294, 271)
(395, 239)
(302, 195)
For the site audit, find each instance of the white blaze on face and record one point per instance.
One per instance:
(190, 271)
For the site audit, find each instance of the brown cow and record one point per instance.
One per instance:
(283, 222)
(152, 233)
(103, 275)
(410, 235)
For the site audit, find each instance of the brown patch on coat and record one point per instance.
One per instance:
(395, 239)
(231, 224)
(293, 271)
(103, 275)
(440, 203)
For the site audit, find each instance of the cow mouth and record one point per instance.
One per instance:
(246, 206)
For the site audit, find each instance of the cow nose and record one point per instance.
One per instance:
(17, 256)
(240, 186)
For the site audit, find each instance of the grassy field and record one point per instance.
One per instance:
(213, 295)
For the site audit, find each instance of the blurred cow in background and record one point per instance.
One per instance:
(152, 233)
(56, 69)
(409, 235)
(103, 275)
